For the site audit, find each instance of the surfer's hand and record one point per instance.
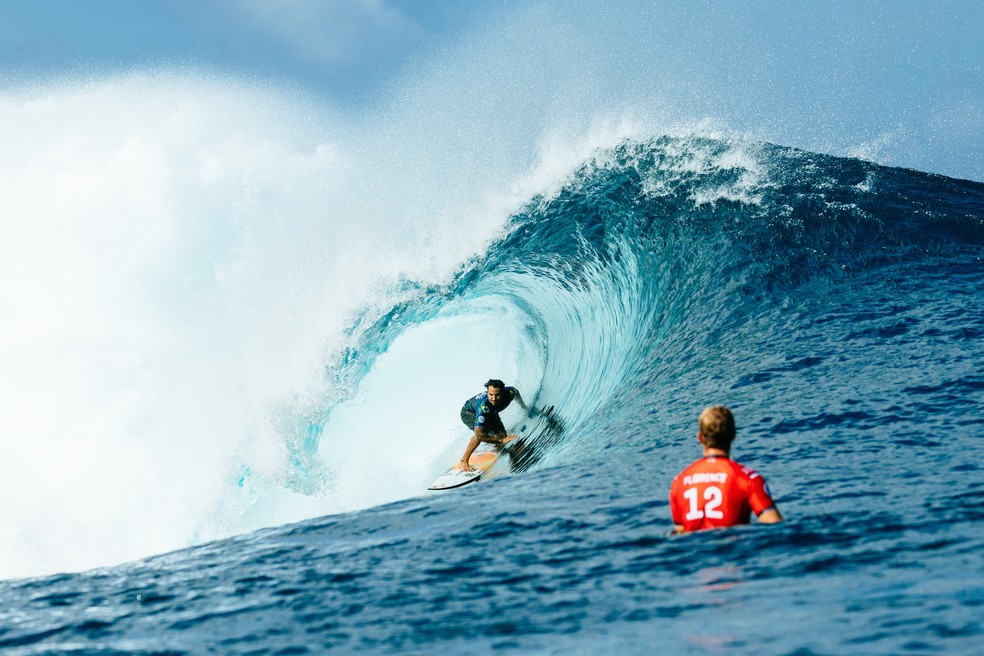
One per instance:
(464, 466)
(508, 438)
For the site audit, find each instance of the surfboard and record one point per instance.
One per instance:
(453, 478)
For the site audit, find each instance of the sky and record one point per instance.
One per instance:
(343, 48)
(900, 82)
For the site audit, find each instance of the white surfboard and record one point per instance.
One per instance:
(453, 477)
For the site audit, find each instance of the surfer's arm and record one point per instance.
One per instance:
(761, 502)
(502, 439)
(770, 516)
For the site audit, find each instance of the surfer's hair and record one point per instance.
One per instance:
(496, 383)
(717, 425)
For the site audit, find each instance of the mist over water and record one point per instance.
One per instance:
(183, 254)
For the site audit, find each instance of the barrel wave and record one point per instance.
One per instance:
(834, 304)
(663, 273)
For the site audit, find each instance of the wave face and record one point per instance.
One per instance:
(672, 271)
(833, 304)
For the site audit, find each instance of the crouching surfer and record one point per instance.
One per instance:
(481, 414)
(716, 491)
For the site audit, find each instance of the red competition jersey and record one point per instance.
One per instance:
(716, 491)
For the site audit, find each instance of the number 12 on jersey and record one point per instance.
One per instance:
(712, 503)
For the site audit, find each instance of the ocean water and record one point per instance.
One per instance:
(246, 473)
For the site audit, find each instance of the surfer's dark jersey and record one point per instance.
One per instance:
(486, 415)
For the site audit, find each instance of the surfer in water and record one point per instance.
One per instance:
(481, 414)
(716, 491)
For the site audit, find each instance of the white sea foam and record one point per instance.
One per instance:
(182, 254)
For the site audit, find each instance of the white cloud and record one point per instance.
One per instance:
(330, 33)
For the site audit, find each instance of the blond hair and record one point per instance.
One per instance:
(717, 425)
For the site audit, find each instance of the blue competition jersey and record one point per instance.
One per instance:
(479, 404)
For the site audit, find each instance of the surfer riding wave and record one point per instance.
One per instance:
(480, 413)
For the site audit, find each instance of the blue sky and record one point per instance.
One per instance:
(901, 82)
